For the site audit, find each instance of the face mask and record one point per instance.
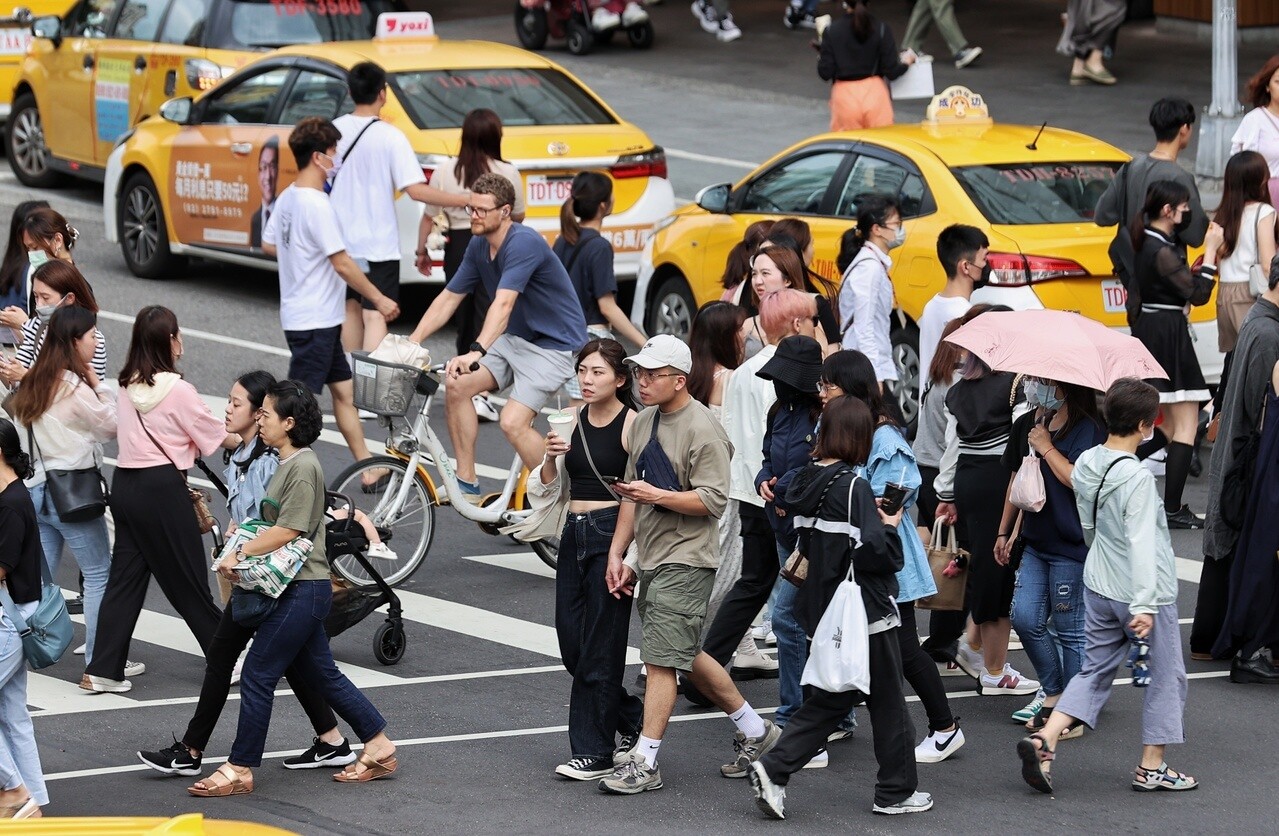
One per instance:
(1048, 397)
(898, 239)
(984, 279)
(1033, 396)
(37, 257)
(46, 311)
(1183, 224)
(330, 173)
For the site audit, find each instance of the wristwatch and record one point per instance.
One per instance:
(475, 346)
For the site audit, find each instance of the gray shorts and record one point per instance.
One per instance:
(542, 371)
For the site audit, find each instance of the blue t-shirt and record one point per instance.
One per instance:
(590, 268)
(547, 313)
(1054, 529)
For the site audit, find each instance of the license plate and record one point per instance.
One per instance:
(547, 191)
(1114, 296)
(14, 41)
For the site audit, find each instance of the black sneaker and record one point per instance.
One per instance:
(75, 606)
(174, 760)
(585, 769)
(322, 754)
(1185, 519)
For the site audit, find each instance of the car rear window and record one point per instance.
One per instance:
(1037, 193)
(268, 24)
(519, 96)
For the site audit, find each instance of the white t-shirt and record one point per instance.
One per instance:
(445, 179)
(381, 164)
(304, 230)
(939, 311)
(1259, 131)
(1234, 268)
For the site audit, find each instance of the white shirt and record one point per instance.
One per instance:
(304, 230)
(937, 314)
(1259, 131)
(747, 399)
(866, 298)
(445, 179)
(381, 164)
(1234, 268)
(70, 433)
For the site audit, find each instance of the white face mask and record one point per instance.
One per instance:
(898, 239)
(46, 311)
(37, 257)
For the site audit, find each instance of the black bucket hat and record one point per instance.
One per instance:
(797, 363)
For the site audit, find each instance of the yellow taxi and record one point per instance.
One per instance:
(92, 74)
(1032, 191)
(15, 38)
(198, 179)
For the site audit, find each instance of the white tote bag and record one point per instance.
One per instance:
(1028, 492)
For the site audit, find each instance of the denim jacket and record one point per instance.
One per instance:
(891, 460)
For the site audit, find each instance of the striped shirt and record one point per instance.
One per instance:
(33, 339)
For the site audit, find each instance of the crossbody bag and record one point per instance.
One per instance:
(199, 496)
(79, 495)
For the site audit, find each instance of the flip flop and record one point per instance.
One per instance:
(27, 809)
(1033, 757)
(211, 789)
(372, 769)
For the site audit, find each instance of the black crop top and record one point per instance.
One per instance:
(607, 451)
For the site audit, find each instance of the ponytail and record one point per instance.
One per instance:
(570, 229)
(590, 191)
(872, 210)
(861, 19)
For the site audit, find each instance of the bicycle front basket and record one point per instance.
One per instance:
(382, 387)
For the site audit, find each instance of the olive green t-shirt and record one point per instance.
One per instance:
(298, 489)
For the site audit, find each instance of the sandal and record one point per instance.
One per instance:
(1033, 757)
(211, 788)
(27, 809)
(1162, 779)
(372, 769)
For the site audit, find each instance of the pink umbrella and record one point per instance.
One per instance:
(1057, 345)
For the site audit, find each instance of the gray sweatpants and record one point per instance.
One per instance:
(1107, 643)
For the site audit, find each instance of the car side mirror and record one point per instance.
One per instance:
(177, 110)
(49, 28)
(714, 199)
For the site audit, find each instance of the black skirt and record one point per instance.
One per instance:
(981, 482)
(1166, 334)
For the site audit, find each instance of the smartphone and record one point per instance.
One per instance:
(894, 497)
(611, 480)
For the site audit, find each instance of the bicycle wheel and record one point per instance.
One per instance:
(407, 531)
(548, 550)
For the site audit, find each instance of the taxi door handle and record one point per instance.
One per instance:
(140, 63)
(88, 62)
(241, 148)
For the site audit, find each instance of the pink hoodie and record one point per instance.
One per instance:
(175, 414)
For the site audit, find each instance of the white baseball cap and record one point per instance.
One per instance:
(661, 351)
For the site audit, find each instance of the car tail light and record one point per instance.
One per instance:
(204, 75)
(651, 163)
(1017, 270)
(429, 163)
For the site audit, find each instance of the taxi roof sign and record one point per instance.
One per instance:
(394, 25)
(957, 104)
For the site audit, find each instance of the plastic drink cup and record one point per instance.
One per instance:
(562, 422)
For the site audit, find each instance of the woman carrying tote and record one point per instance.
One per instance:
(163, 426)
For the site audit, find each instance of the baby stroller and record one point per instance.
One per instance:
(535, 20)
(352, 603)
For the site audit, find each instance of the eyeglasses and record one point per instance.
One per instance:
(480, 211)
(823, 387)
(644, 375)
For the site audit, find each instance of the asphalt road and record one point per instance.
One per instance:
(479, 703)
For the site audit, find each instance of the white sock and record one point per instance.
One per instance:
(647, 749)
(747, 721)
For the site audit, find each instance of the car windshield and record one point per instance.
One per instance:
(267, 24)
(1037, 193)
(519, 96)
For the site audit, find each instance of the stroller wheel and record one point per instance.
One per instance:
(388, 642)
(641, 35)
(580, 39)
(531, 27)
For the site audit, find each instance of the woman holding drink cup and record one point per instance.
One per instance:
(586, 451)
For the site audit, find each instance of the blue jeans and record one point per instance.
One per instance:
(91, 547)
(19, 758)
(1050, 586)
(294, 635)
(592, 627)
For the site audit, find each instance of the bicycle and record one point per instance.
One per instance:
(402, 506)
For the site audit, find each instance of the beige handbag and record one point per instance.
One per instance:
(949, 565)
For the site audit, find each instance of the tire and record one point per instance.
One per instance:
(24, 143)
(409, 534)
(579, 38)
(144, 236)
(531, 27)
(548, 550)
(672, 309)
(642, 35)
(389, 642)
(905, 343)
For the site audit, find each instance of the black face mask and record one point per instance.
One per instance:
(984, 278)
(1183, 224)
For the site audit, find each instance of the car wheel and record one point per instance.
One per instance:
(144, 236)
(531, 26)
(672, 309)
(905, 342)
(28, 153)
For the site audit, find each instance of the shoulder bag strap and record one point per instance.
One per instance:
(160, 447)
(586, 448)
(657, 419)
(1096, 505)
(356, 141)
(11, 608)
(213, 477)
(572, 257)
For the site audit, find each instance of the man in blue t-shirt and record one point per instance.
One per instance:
(532, 329)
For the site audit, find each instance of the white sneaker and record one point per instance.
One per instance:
(728, 31)
(820, 761)
(134, 668)
(237, 670)
(706, 16)
(1008, 683)
(102, 685)
(79, 651)
(1014, 640)
(382, 552)
(753, 666)
(634, 14)
(602, 19)
(971, 661)
(484, 410)
(769, 798)
(365, 415)
(939, 745)
(764, 633)
(917, 803)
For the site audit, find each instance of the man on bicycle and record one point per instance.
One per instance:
(530, 333)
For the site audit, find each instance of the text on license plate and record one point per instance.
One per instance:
(1113, 296)
(547, 191)
(14, 41)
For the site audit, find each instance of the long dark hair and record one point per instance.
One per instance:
(1160, 194)
(861, 19)
(151, 346)
(615, 355)
(15, 255)
(481, 143)
(63, 278)
(947, 357)
(853, 372)
(590, 191)
(256, 384)
(872, 210)
(291, 399)
(796, 234)
(1244, 183)
(11, 450)
(713, 342)
(737, 268)
(57, 354)
(1081, 403)
(847, 431)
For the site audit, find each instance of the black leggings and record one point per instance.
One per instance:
(921, 672)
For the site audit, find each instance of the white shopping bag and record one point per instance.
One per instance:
(839, 659)
(916, 83)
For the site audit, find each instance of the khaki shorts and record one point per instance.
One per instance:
(672, 608)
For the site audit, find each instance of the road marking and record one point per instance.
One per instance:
(207, 335)
(57, 696)
(527, 562)
(693, 156)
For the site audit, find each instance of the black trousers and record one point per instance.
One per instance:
(750, 593)
(1210, 606)
(806, 731)
(229, 641)
(920, 671)
(155, 534)
(470, 316)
